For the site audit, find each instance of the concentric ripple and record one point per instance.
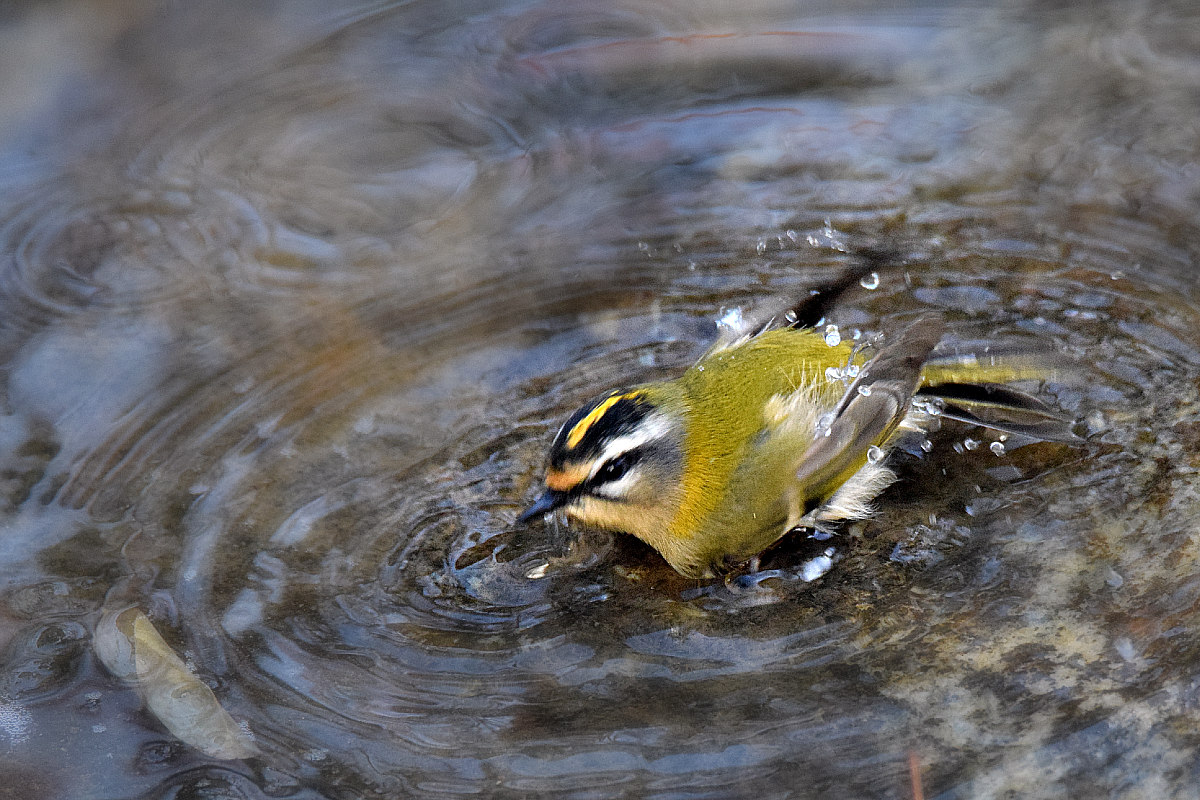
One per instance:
(284, 346)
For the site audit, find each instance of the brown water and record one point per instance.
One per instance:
(292, 299)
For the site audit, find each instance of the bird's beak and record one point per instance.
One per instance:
(549, 500)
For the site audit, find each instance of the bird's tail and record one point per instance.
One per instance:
(972, 389)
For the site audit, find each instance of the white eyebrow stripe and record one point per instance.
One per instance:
(615, 490)
(652, 428)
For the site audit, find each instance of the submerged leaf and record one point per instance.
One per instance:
(128, 644)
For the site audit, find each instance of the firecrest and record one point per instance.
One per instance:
(778, 428)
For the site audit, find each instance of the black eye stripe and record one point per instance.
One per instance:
(615, 468)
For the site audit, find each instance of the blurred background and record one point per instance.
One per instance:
(293, 297)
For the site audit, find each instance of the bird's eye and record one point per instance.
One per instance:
(614, 469)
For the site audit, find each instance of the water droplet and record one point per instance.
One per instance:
(970, 443)
(927, 446)
(833, 336)
(834, 236)
(730, 319)
(828, 237)
(833, 374)
(864, 390)
(824, 424)
(852, 370)
(792, 235)
(790, 317)
(538, 571)
(997, 448)
(762, 246)
(875, 454)
(871, 281)
(958, 448)
(692, 266)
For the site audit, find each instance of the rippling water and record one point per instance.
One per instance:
(292, 300)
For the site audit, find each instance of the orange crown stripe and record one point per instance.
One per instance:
(581, 427)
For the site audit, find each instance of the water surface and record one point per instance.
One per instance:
(293, 299)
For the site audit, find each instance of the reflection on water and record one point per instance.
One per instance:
(292, 299)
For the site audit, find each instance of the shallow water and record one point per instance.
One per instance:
(292, 301)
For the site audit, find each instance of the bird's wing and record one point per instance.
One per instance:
(869, 411)
(807, 312)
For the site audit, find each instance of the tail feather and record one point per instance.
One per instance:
(1000, 408)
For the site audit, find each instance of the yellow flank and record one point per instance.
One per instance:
(719, 389)
(581, 427)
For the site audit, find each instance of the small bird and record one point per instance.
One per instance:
(773, 430)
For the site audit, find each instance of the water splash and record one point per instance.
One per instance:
(285, 346)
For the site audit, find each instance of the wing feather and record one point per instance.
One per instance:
(870, 410)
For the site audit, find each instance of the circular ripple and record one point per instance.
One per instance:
(289, 359)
